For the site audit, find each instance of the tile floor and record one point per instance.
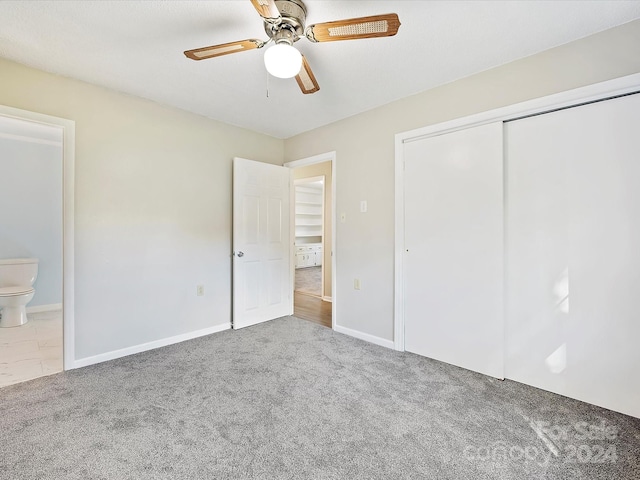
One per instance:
(31, 350)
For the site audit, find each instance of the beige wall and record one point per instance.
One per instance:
(152, 209)
(364, 146)
(316, 170)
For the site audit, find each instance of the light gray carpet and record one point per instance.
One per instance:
(309, 280)
(293, 400)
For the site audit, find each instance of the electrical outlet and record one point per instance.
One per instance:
(200, 290)
(356, 284)
(363, 206)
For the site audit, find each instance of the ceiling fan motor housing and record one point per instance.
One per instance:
(294, 16)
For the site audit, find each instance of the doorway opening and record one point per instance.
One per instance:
(36, 338)
(31, 235)
(313, 239)
(309, 234)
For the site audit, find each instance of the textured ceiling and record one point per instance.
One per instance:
(136, 47)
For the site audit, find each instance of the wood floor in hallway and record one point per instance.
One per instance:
(312, 308)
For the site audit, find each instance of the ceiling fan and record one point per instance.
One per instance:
(284, 22)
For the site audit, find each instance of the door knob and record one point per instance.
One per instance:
(241, 254)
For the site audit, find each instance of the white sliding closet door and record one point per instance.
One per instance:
(573, 253)
(453, 259)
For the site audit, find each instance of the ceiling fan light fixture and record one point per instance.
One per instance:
(283, 60)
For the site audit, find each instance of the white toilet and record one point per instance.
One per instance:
(17, 276)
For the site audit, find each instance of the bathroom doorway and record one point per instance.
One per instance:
(314, 239)
(34, 168)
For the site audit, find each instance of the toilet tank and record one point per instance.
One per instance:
(16, 272)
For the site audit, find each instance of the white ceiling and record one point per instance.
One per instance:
(136, 47)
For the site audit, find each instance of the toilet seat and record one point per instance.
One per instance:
(17, 290)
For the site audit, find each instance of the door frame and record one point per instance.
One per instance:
(567, 99)
(303, 162)
(68, 222)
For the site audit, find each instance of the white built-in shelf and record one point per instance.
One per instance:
(308, 219)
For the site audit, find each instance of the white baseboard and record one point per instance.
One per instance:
(103, 357)
(364, 336)
(45, 308)
(327, 299)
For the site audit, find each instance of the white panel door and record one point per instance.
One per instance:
(262, 280)
(453, 262)
(573, 253)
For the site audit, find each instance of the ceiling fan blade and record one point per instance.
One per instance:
(267, 10)
(306, 80)
(364, 27)
(223, 49)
